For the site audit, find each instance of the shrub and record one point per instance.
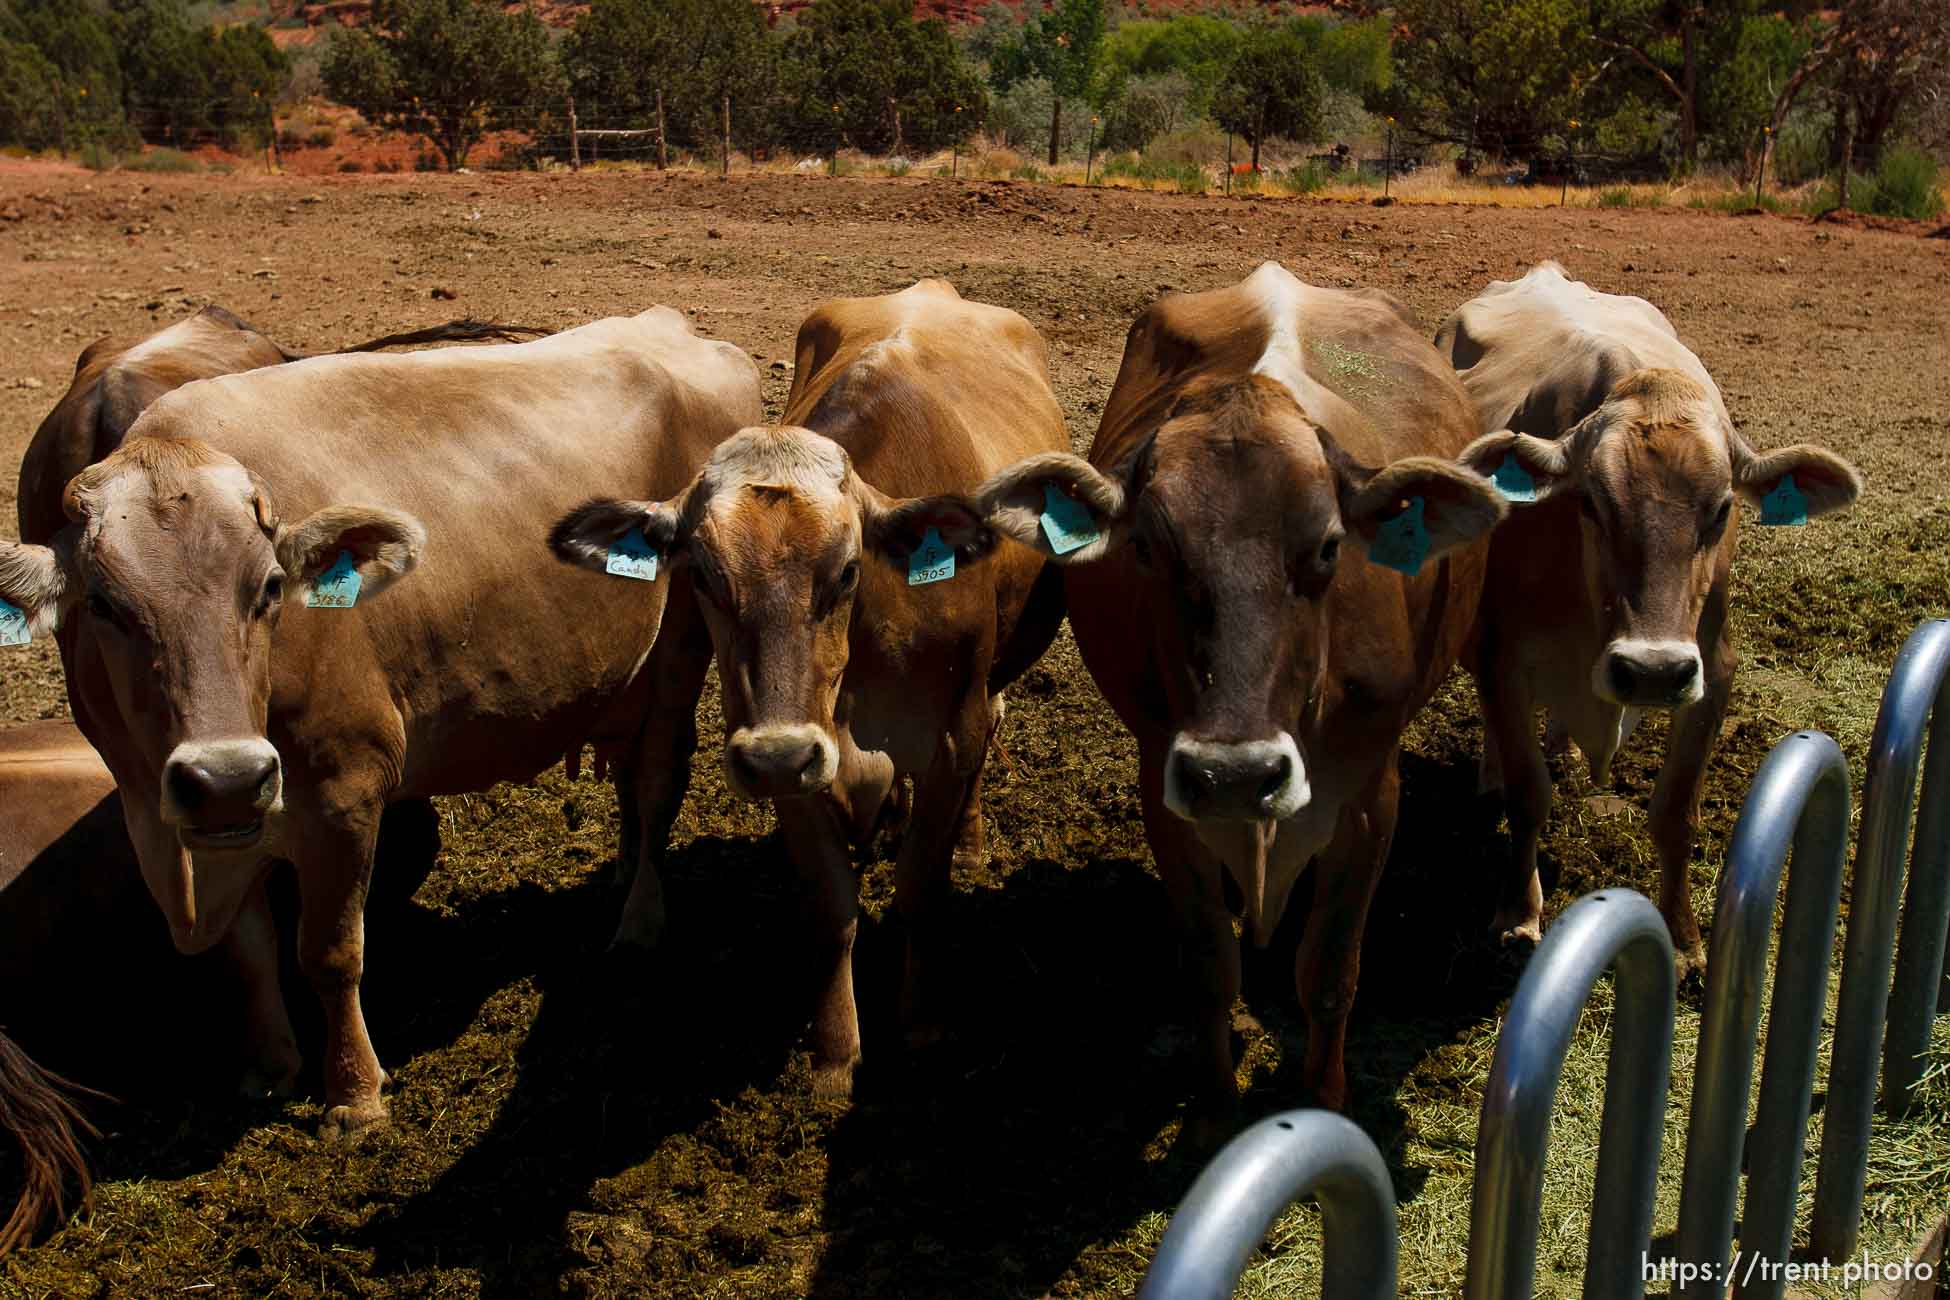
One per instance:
(1029, 171)
(1906, 185)
(351, 165)
(1307, 178)
(97, 157)
(163, 160)
(1618, 197)
(1187, 178)
(321, 137)
(898, 166)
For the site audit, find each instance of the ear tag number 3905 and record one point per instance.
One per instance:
(337, 587)
(1066, 522)
(1785, 504)
(13, 625)
(1402, 543)
(632, 556)
(932, 561)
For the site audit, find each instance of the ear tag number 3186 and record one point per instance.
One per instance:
(337, 587)
(13, 625)
(1402, 543)
(932, 561)
(632, 556)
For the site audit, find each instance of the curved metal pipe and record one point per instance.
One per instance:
(1260, 1173)
(1621, 930)
(1800, 793)
(1919, 685)
(1921, 985)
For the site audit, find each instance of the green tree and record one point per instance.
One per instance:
(1497, 73)
(866, 72)
(449, 70)
(1355, 57)
(73, 65)
(621, 53)
(1197, 48)
(1064, 45)
(1272, 88)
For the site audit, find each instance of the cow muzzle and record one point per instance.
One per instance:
(218, 793)
(1649, 674)
(1253, 780)
(780, 762)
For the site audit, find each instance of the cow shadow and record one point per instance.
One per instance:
(623, 1052)
(1042, 1131)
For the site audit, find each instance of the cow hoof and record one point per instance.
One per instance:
(347, 1121)
(833, 1082)
(1689, 964)
(1524, 934)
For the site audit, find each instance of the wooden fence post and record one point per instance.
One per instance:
(663, 150)
(724, 167)
(575, 142)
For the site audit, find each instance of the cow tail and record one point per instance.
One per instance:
(40, 1114)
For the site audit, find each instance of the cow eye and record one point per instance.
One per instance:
(1330, 551)
(1141, 548)
(1712, 532)
(98, 606)
(849, 577)
(274, 589)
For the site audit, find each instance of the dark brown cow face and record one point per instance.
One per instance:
(780, 538)
(1234, 520)
(1655, 473)
(173, 574)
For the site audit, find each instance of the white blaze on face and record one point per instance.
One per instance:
(1254, 780)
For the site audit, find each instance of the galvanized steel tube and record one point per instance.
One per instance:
(1260, 1173)
(1801, 795)
(1921, 985)
(1918, 682)
(1614, 928)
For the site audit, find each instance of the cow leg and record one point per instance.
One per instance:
(1510, 718)
(817, 843)
(334, 861)
(941, 825)
(1674, 815)
(971, 841)
(271, 1057)
(1194, 881)
(1328, 965)
(660, 773)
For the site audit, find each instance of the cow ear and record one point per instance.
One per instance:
(1415, 509)
(621, 537)
(1795, 484)
(37, 588)
(898, 530)
(380, 546)
(1059, 504)
(1525, 470)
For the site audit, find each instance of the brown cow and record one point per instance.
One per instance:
(865, 624)
(116, 379)
(255, 701)
(1268, 447)
(1608, 587)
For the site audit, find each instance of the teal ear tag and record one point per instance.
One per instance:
(1067, 523)
(1513, 480)
(337, 587)
(932, 561)
(1785, 504)
(632, 556)
(13, 625)
(1402, 543)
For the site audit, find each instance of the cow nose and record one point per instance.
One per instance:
(226, 782)
(1253, 780)
(780, 761)
(1653, 674)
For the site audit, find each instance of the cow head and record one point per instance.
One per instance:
(1655, 471)
(780, 536)
(1234, 518)
(170, 577)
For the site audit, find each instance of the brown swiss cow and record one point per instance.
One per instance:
(255, 701)
(1608, 587)
(864, 623)
(1270, 570)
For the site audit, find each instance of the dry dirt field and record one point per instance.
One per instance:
(565, 1124)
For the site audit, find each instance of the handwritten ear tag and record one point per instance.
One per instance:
(932, 561)
(632, 556)
(1402, 543)
(13, 625)
(1785, 504)
(1513, 480)
(337, 587)
(1067, 523)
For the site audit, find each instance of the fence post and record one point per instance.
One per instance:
(724, 165)
(1760, 172)
(1261, 1172)
(663, 149)
(1228, 164)
(1800, 794)
(575, 141)
(1090, 152)
(1388, 176)
(1621, 930)
(1918, 692)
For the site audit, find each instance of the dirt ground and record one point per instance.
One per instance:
(566, 1124)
